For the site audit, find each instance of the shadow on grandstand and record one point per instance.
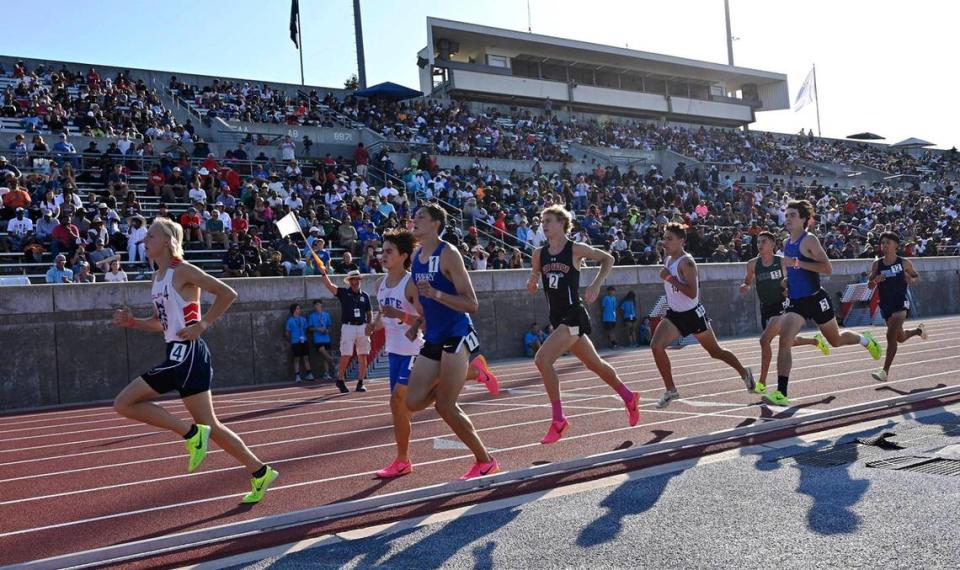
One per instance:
(630, 498)
(273, 409)
(767, 414)
(424, 547)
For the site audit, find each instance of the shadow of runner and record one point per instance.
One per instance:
(193, 525)
(630, 498)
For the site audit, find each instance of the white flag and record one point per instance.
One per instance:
(288, 225)
(807, 93)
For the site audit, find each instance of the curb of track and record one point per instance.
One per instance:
(212, 535)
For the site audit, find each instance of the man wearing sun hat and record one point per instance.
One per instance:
(357, 318)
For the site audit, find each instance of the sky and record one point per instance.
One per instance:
(882, 66)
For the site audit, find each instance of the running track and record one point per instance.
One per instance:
(78, 479)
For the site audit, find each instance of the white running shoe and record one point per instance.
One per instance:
(923, 331)
(880, 375)
(667, 397)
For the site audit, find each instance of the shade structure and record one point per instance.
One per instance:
(867, 136)
(388, 90)
(912, 142)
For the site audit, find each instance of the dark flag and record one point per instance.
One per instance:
(294, 18)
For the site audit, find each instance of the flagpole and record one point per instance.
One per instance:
(816, 98)
(300, 45)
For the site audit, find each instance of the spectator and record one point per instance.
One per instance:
(65, 237)
(17, 197)
(216, 230)
(361, 159)
(644, 332)
(20, 230)
(609, 317)
(234, 264)
(532, 340)
(100, 253)
(319, 324)
(516, 260)
(346, 264)
(44, 228)
(84, 275)
(290, 256)
(136, 234)
(347, 235)
(190, 221)
(272, 267)
(479, 257)
(287, 149)
(296, 333)
(59, 272)
(357, 317)
(114, 274)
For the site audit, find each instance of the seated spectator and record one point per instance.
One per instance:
(252, 255)
(59, 272)
(20, 230)
(114, 274)
(234, 264)
(272, 267)
(644, 332)
(500, 260)
(347, 235)
(100, 253)
(84, 275)
(136, 234)
(65, 237)
(16, 198)
(532, 340)
(345, 265)
(215, 230)
(290, 256)
(371, 261)
(190, 221)
(44, 228)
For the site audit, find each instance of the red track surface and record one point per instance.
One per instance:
(85, 478)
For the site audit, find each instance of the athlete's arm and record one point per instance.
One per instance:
(688, 270)
(451, 264)
(911, 273)
(811, 247)
(748, 278)
(187, 275)
(123, 317)
(533, 283)
(584, 251)
(875, 276)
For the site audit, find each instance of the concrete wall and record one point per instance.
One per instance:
(60, 347)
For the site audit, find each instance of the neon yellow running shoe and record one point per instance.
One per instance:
(876, 351)
(777, 399)
(259, 485)
(760, 388)
(822, 344)
(197, 446)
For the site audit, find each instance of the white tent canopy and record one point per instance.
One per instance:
(912, 142)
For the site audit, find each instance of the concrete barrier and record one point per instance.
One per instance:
(60, 346)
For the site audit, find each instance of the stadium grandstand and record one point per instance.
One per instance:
(505, 124)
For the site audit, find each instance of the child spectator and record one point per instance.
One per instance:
(296, 333)
(609, 317)
(629, 309)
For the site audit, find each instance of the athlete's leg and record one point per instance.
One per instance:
(836, 337)
(134, 402)
(559, 342)
(708, 341)
(453, 375)
(401, 422)
(665, 334)
(200, 407)
(790, 325)
(766, 352)
(895, 335)
(421, 388)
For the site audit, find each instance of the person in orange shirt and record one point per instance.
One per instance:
(17, 197)
(190, 220)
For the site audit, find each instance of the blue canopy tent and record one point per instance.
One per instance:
(388, 90)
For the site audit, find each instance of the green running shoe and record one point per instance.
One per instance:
(197, 446)
(760, 388)
(260, 485)
(777, 399)
(822, 344)
(876, 351)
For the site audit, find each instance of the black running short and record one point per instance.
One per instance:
(576, 318)
(435, 350)
(890, 306)
(769, 311)
(689, 322)
(816, 307)
(187, 369)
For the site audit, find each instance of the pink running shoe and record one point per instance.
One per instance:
(557, 429)
(481, 469)
(633, 409)
(485, 375)
(396, 469)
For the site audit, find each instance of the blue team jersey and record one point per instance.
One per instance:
(629, 309)
(800, 282)
(297, 327)
(442, 321)
(317, 321)
(609, 309)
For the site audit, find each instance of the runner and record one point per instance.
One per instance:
(685, 315)
(891, 275)
(805, 261)
(187, 369)
(557, 264)
(769, 272)
(445, 296)
(397, 313)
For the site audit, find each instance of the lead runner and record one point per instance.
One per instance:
(187, 368)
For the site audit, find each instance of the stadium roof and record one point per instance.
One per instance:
(474, 37)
